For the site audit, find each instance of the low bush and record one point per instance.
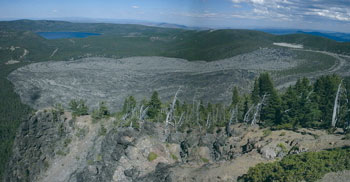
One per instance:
(152, 156)
(309, 166)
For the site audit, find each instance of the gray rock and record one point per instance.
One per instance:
(268, 152)
(37, 142)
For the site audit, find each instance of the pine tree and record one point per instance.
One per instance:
(255, 93)
(325, 89)
(245, 106)
(270, 112)
(235, 97)
(78, 108)
(129, 104)
(154, 106)
(103, 110)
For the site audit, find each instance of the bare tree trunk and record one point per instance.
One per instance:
(258, 109)
(179, 123)
(169, 115)
(246, 116)
(207, 125)
(197, 120)
(336, 106)
(231, 118)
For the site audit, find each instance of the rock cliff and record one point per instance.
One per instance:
(54, 146)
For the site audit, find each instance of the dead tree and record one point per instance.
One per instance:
(143, 113)
(246, 115)
(170, 113)
(197, 120)
(257, 110)
(208, 124)
(336, 106)
(181, 120)
(232, 116)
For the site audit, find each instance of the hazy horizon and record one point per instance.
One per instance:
(242, 14)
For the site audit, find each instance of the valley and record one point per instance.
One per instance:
(116, 131)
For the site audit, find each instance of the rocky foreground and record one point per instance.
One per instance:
(53, 146)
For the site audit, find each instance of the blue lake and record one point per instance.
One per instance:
(66, 35)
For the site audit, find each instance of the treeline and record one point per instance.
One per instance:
(305, 104)
(322, 104)
(12, 113)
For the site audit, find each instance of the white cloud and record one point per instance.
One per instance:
(135, 7)
(249, 1)
(297, 9)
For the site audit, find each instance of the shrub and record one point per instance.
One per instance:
(152, 156)
(205, 160)
(267, 132)
(347, 136)
(100, 113)
(173, 156)
(60, 152)
(281, 145)
(67, 141)
(309, 166)
(102, 131)
(78, 108)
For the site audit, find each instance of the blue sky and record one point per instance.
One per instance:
(332, 15)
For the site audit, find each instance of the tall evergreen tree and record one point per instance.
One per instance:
(255, 92)
(129, 104)
(154, 105)
(270, 112)
(235, 97)
(325, 89)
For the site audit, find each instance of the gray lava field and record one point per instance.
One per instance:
(99, 79)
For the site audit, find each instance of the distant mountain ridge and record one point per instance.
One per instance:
(337, 36)
(121, 40)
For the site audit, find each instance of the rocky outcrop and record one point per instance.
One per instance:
(38, 141)
(53, 146)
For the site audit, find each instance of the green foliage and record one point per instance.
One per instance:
(81, 132)
(154, 106)
(173, 156)
(347, 136)
(102, 131)
(100, 113)
(61, 153)
(59, 108)
(235, 97)
(12, 113)
(205, 160)
(129, 104)
(325, 89)
(98, 158)
(192, 45)
(67, 141)
(283, 147)
(267, 132)
(152, 156)
(78, 108)
(90, 162)
(309, 166)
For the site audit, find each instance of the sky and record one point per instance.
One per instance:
(329, 15)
